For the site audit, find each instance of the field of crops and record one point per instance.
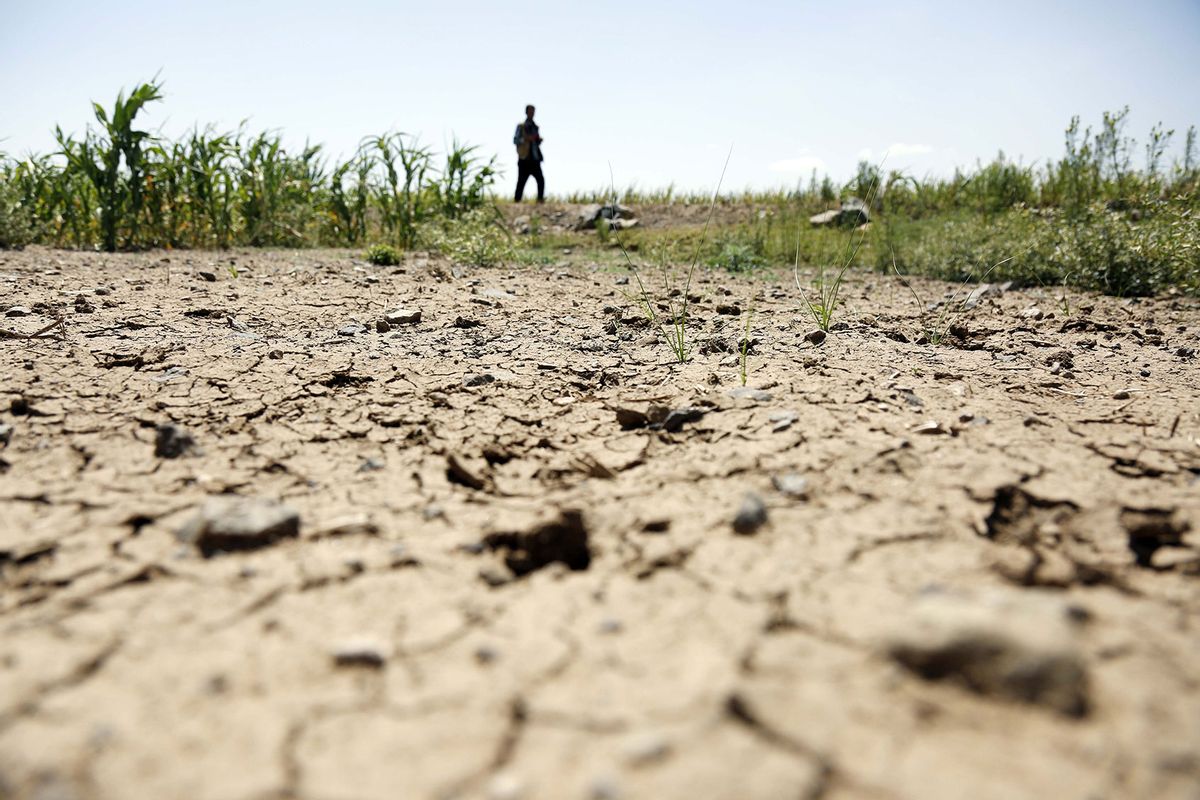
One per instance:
(1110, 215)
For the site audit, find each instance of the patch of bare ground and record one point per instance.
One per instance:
(490, 552)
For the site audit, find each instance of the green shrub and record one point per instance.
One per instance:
(382, 255)
(16, 221)
(1147, 249)
(737, 256)
(478, 238)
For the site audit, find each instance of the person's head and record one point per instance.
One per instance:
(529, 112)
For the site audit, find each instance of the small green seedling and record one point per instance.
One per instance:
(949, 312)
(675, 329)
(824, 304)
(745, 345)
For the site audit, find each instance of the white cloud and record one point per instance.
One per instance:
(801, 165)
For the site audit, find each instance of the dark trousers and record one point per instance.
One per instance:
(525, 168)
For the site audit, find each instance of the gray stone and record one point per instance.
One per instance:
(782, 420)
(676, 418)
(751, 516)
(402, 316)
(478, 380)
(791, 484)
(644, 748)
(505, 786)
(362, 652)
(816, 337)
(749, 393)
(228, 523)
(852, 213)
(18, 311)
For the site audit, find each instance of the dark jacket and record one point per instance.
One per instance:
(527, 151)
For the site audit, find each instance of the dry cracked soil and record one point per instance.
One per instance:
(256, 544)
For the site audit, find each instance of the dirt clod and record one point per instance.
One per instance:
(172, 441)
(229, 523)
(562, 540)
(1007, 647)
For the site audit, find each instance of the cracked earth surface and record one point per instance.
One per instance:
(979, 573)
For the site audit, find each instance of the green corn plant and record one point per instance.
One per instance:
(348, 206)
(113, 161)
(464, 180)
(211, 186)
(403, 202)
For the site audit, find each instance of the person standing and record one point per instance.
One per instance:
(529, 156)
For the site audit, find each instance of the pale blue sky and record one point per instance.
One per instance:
(659, 89)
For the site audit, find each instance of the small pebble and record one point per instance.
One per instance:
(751, 516)
(360, 653)
(791, 484)
(402, 316)
(645, 748)
(478, 380)
(604, 788)
(815, 337)
(506, 786)
(782, 420)
(18, 311)
(749, 393)
(930, 428)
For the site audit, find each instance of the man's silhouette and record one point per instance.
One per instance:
(529, 155)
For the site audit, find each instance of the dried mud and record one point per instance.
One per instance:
(517, 574)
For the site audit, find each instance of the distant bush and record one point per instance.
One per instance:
(735, 256)
(16, 221)
(1148, 249)
(382, 255)
(479, 238)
